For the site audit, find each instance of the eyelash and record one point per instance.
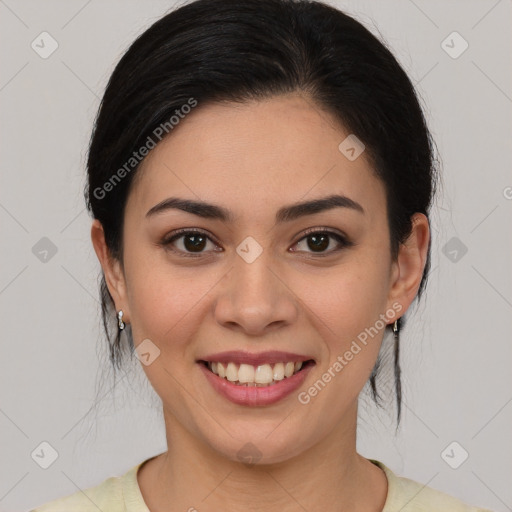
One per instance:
(168, 240)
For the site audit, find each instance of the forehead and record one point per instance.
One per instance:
(253, 157)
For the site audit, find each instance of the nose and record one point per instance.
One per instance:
(255, 297)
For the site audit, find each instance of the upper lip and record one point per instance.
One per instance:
(241, 357)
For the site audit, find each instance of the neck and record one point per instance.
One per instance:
(329, 476)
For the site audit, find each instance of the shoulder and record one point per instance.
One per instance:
(112, 495)
(410, 496)
(106, 496)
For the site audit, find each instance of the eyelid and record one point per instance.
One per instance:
(167, 242)
(323, 229)
(183, 231)
(342, 239)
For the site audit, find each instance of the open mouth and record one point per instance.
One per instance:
(263, 375)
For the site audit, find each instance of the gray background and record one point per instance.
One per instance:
(456, 347)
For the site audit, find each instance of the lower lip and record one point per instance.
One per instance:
(253, 395)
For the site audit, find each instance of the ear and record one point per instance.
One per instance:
(407, 271)
(114, 275)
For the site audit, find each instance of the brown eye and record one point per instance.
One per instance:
(319, 241)
(188, 242)
(194, 242)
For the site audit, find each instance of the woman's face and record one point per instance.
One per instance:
(258, 282)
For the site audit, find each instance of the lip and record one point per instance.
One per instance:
(252, 395)
(241, 357)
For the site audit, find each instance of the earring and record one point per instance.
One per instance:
(397, 371)
(120, 323)
(396, 327)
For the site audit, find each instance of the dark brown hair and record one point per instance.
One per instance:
(236, 50)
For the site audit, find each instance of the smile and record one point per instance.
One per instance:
(257, 384)
(259, 376)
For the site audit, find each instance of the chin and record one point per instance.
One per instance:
(254, 446)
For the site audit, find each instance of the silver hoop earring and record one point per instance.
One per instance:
(396, 327)
(120, 323)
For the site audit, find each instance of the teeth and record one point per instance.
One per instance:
(279, 371)
(249, 375)
(288, 369)
(246, 373)
(263, 374)
(231, 372)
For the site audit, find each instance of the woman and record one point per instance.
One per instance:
(260, 177)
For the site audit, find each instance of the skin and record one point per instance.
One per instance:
(254, 158)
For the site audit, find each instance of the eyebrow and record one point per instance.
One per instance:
(285, 214)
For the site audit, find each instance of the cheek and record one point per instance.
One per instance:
(163, 300)
(349, 299)
(347, 307)
(167, 308)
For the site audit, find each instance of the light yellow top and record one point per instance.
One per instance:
(122, 494)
